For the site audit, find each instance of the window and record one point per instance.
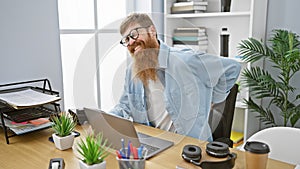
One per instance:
(92, 58)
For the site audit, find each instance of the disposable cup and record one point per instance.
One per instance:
(256, 155)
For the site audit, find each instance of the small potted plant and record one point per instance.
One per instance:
(63, 126)
(93, 150)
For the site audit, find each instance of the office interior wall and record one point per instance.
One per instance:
(284, 15)
(29, 42)
(155, 8)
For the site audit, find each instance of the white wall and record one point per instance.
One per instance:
(284, 15)
(155, 8)
(29, 42)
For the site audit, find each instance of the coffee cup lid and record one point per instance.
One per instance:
(256, 147)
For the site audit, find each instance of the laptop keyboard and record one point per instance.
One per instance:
(150, 148)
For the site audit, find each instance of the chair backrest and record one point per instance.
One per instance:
(221, 116)
(282, 141)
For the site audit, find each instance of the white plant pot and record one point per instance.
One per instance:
(63, 143)
(95, 166)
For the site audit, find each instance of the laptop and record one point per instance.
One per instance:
(115, 128)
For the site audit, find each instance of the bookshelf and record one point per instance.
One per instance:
(246, 19)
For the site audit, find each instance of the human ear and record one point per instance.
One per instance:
(152, 30)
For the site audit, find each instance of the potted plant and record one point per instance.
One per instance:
(63, 126)
(93, 150)
(273, 84)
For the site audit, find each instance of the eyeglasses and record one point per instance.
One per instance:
(133, 34)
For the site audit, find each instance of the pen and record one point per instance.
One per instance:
(123, 145)
(140, 152)
(122, 154)
(128, 149)
(135, 153)
(131, 149)
(118, 154)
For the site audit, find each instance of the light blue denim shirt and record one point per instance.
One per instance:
(192, 81)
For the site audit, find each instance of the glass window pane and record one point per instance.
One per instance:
(112, 63)
(110, 12)
(76, 14)
(79, 70)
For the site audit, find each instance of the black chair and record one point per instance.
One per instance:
(221, 117)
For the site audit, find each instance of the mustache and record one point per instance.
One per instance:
(133, 46)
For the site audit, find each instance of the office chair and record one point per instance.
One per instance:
(221, 117)
(282, 141)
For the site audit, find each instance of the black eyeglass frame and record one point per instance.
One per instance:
(130, 35)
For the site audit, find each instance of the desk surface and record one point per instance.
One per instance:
(34, 151)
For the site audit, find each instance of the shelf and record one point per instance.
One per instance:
(241, 105)
(238, 60)
(208, 14)
(19, 129)
(246, 19)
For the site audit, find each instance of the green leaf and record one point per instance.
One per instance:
(63, 124)
(265, 116)
(295, 116)
(274, 88)
(93, 149)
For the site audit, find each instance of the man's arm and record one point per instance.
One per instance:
(221, 74)
(230, 73)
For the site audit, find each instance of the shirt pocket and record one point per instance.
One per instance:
(136, 103)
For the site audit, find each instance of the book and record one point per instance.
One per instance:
(199, 42)
(27, 98)
(189, 38)
(189, 34)
(236, 136)
(189, 0)
(202, 48)
(190, 29)
(235, 145)
(188, 3)
(188, 12)
(180, 9)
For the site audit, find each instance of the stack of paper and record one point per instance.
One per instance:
(27, 98)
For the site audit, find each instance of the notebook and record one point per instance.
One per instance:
(115, 128)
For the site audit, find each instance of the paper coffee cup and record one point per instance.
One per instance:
(256, 155)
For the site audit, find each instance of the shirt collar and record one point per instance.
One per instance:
(163, 55)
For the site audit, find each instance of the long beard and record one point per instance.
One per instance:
(145, 63)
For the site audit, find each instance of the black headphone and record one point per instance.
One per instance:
(192, 154)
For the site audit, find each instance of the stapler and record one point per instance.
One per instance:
(56, 163)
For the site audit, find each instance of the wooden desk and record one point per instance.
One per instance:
(34, 151)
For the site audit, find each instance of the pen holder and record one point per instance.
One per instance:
(131, 162)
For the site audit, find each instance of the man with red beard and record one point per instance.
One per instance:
(168, 88)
